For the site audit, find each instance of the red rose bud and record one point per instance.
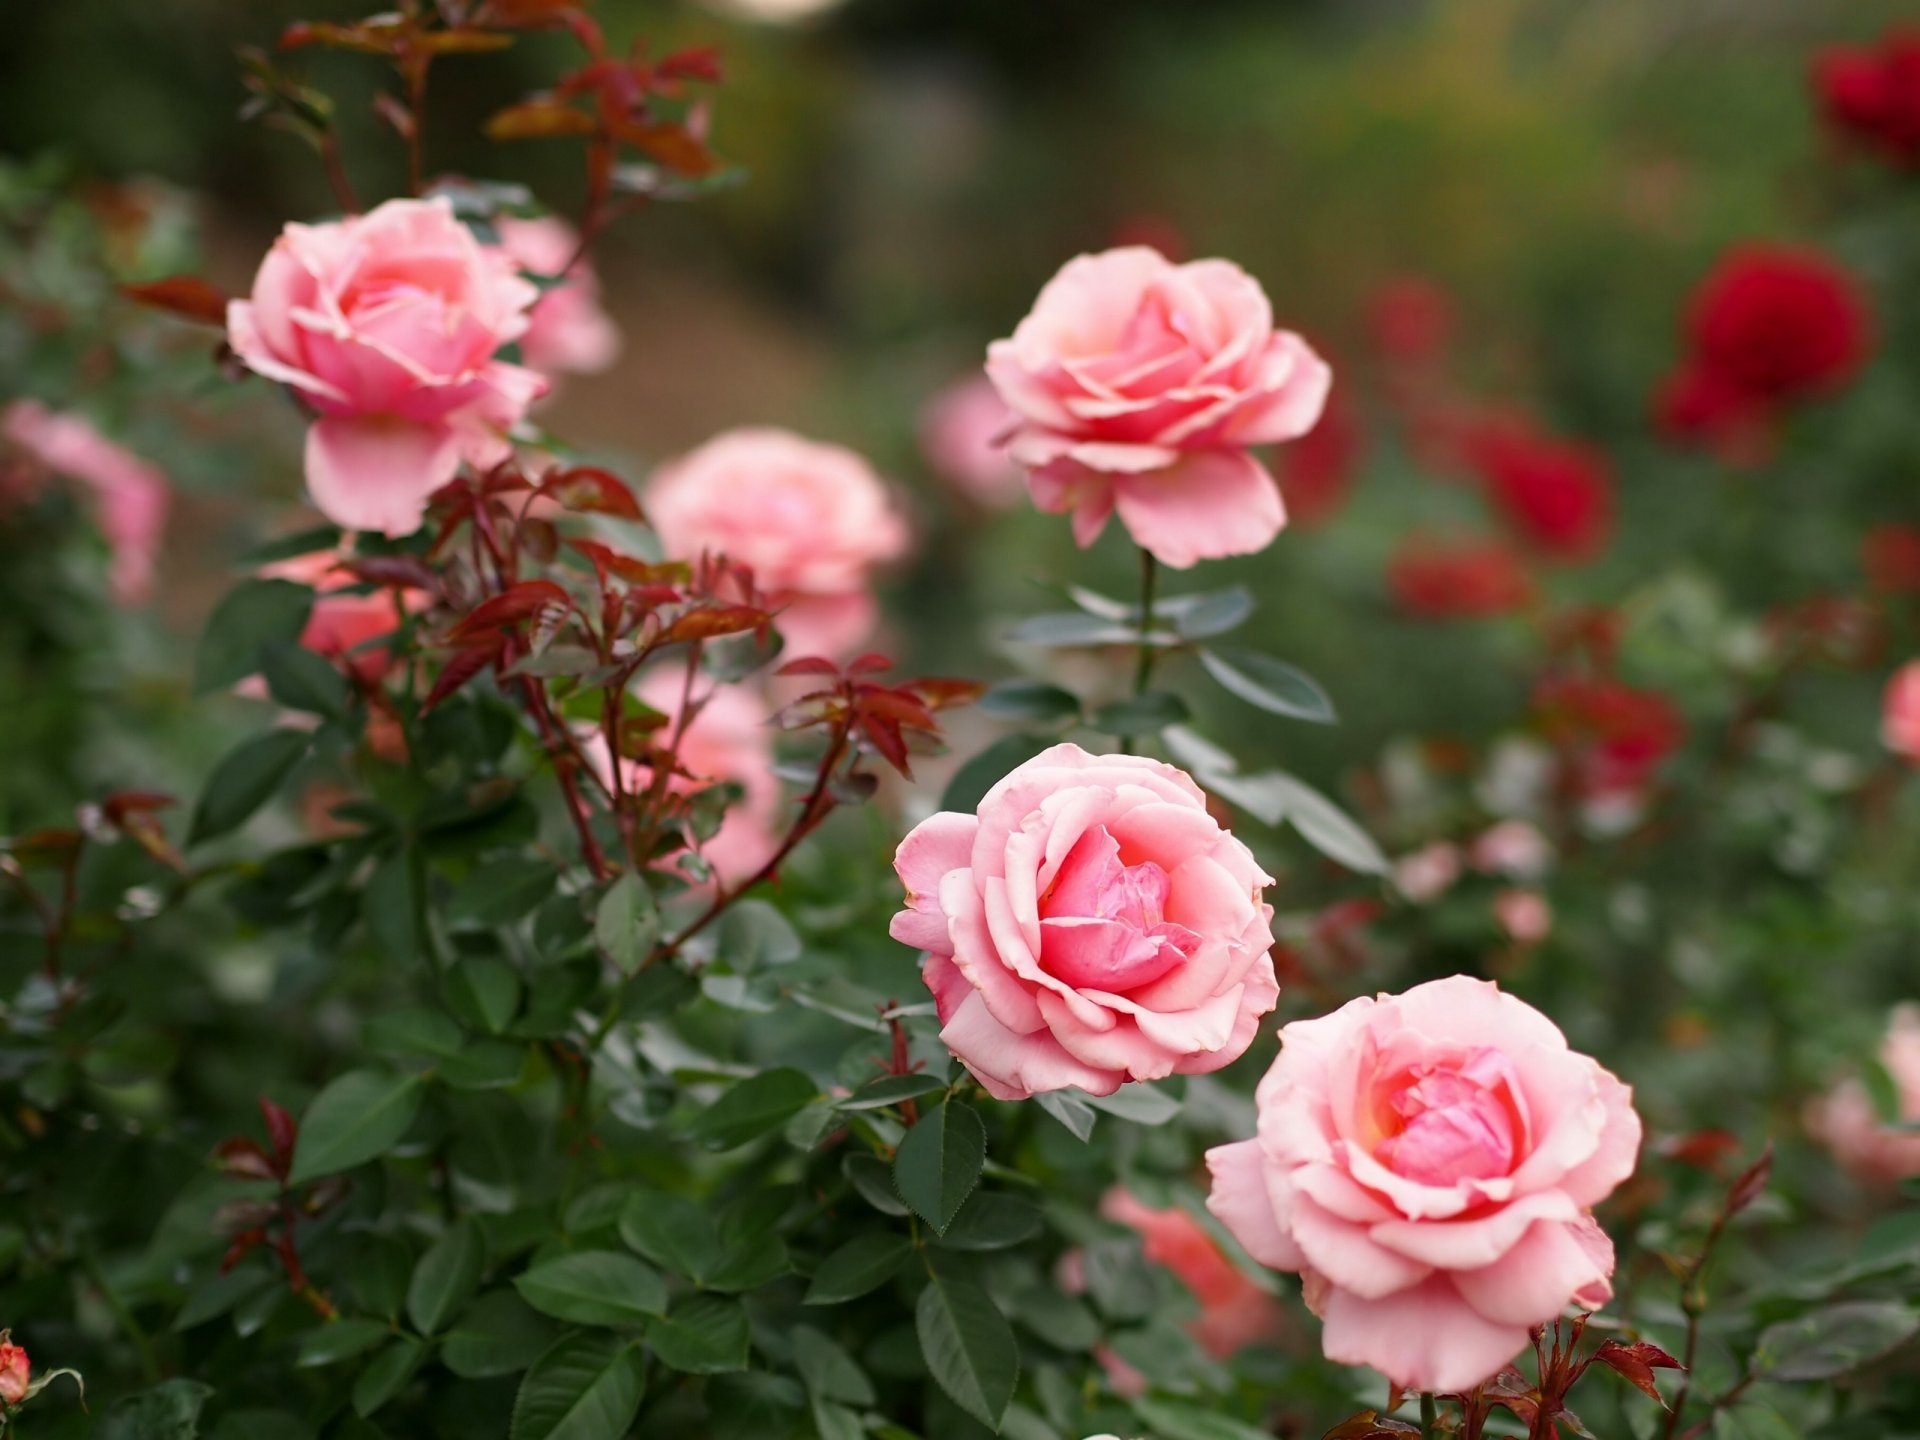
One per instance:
(15, 1370)
(1870, 95)
(1555, 495)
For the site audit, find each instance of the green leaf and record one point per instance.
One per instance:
(860, 1266)
(1140, 1102)
(169, 1411)
(1272, 685)
(1275, 797)
(1200, 617)
(626, 924)
(1069, 628)
(752, 933)
(671, 1230)
(1140, 714)
(500, 1334)
(415, 1030)
(972, 781)
(587, 1387)
(891, 1090)
(301, 680)
(1071, 1110)
(500, 892)
(357, 1117)
(484, 992)
(1833, 1341)
(594, 1287)
(250, 618)
(705, 1335)
(1177, 1421)
(390, 906)
(383, 1378)
(1033, 702)
(830, 1372)
(992, 1222)
(873, 1178)
(341, 1340)
(445, 1278)
(969, 1347)
(756, 1106)
(485, 1065)
(244, 780)
(939, 1163)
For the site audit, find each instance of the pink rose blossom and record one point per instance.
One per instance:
(1091, 924)
(567, 330)
(1427, 1162)
(1138, 384)
(1429, 872)
(1234, 1311)
(15, 1372)
(1848, 1122)
(1524, 914)
(130, 497)
(729, 741)
(388, 325)
(811, 520)
(1513, 848)
(963, 433)
(1900, 718)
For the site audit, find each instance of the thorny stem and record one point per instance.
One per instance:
(1143, 667)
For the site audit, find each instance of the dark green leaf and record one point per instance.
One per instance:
(445, 1278)
(863, 1264)
(671, 1230)
(1178, 1421)
(390, 906)
(873, 1178)
(1834, 1340)
(1271, 684)
(412, 1031)
(169, 1411)
(1141, 714)
(485, 1065)
(1069, 628)
(500, 1334)
(756, 1106)
(1071, 1110)
(992, 1222)
(484, 992)
(972, 781)
(968, 1347)
(705, 1335)
(938, 1164)
(627, 923)
(1030, 702)
(587, 1387)
(251, 617)
(1140, 1102)
(244, 780)
(751, 933)
(829, 1371)
(301, 680)
(891, 1090)
(383, 1377)
(357, 1117)
(500, 892)
(1200, 617)
(594, 1287)
(341, 1340)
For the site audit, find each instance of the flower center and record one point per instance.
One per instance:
(1452, 1120)
(1103, 922)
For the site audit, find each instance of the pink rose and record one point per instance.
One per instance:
(728, 741)
(130, 497)
(15, 1372)
(1848, 1122)
(1524, 914)
(1429, 872)
(343, 625)
(1091, 925)
(1234, 1312)
(1900, 718)
(1139, 382)
(567, 331)
(1427, 1162)
(810, 520)
(1514, 848)
(963, 433)
(388, 325)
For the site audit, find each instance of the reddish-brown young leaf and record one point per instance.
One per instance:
(243, 1159)
(895, 706)
(243, 1245)
(819, 708)
(940, 694)
(711, 621)
(1514, 1391)
(1752, 1183)
(403, 572)
(670, 145)
(540, 120)
(1368, 1425)
(122, 803)
(1637, 1361)
(187, 296)
(808, 665)
(47, 846)
(608, 561)
(884, 735)
(393, 110)
(464, 41)
(282, 1130)
(592, 491)
(369, 37)
(461, 667)
(701, 62)
(520, 602)
(1702, 1149)
(871, 663)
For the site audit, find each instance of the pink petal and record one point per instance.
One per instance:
(934, 848)
(1016, 1067)
(1241, 1200)
(1538, 1277)
(1208, 504)
(1349, 1257)
(375, 473)
(1298, 382)
(1423, 1338)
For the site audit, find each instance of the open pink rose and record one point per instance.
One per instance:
(1234, 1312)
(1138, 384)
(130, 497)
(729, 741)
(388, 325)
(1091, 924)
(1427, 1162)
(963, 433)
(1900, 714)
(1847, 1121)
(567, 331)
(811, 520)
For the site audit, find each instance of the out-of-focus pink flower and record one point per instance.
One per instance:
(16, 1372)
(389, 324)
(1457, 578)
(1871, 94)
(1891, 557)
(567, 330)
(1412, 320)
(1556, 495)
(1848, 1123)
(1317, 471)
(810, 520)
(1429, 872)
(1429, 1162)
(1514, 848)
(1524, 914)
(130, 497)
(1234, 1311)
(1900, 715)
(1091, 924)
(963, 432)
(343, 625)
(729, 741)
(1139, 384)
(1615, 737)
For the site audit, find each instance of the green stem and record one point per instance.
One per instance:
(1143, 666)
(1429, 1415)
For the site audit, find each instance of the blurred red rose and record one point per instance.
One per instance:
(1891, 557)
(1555, 495)
(1317, 471)
(1467, 578)
(1411, 319)
(1871, 94)
(1615, 736)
